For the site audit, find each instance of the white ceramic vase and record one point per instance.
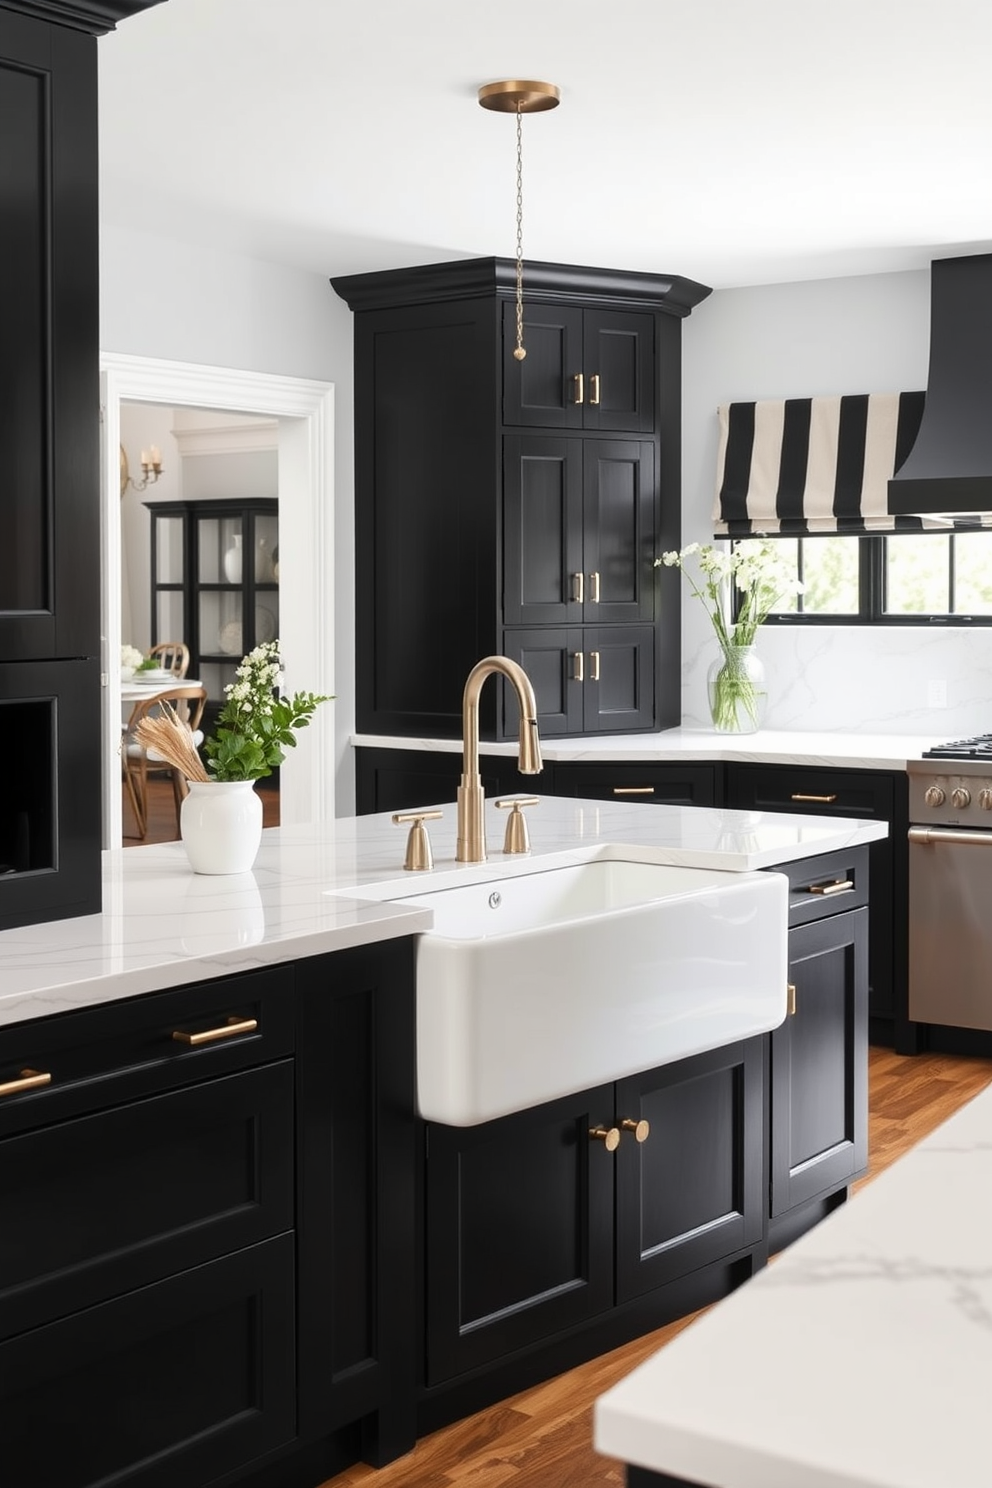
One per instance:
(263, 561)
(221, 825)
(232, 561)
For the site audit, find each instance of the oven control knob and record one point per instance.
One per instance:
(934, 796)
(960, 797)
(985, 799)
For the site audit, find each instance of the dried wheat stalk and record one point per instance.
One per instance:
(171, 739)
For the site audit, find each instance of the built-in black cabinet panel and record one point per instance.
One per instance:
(866, 794)
(49, 368)
(468, 529)
(691, 1191)
(405, 779)
(50, 810)
(584, 369)
(819, 1063)
(355, 1199)
(163, 1184)
(646, 781)
(586, 679)
(519, 1230)
(177, 1382)
(550, 1217)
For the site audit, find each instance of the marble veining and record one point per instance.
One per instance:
(327, 887)
(859, 1359)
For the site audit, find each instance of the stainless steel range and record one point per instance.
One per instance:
(950, 884)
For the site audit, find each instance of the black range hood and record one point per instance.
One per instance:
(948, 472)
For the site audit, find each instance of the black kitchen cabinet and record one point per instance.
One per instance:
(818, 1128)
(206, 1266)
(665, 783)
(473, 529)
(874, 795)
(581, 1208)
(586, 679)
(405, 779)
(584, 369)
(50, 456)
(578, 530)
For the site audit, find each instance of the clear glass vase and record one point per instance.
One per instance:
(735, 684)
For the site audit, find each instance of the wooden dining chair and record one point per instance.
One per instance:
(189, 703)
(172, 656)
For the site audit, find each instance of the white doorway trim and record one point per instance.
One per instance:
(306, 552)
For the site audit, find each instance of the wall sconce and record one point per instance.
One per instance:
(515, 97)
(151, 469)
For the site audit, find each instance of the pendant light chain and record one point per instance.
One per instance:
(520, 351)
(512, 95)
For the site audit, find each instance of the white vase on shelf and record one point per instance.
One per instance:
(263, 561)
(232, 561)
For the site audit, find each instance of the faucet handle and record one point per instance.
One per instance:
(419, 857)
(517, 839)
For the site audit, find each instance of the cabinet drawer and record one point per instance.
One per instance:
(814, 792)
(173, 1384)
(826, 885)
(107, 1202)
(666, 784)
(123, 1050)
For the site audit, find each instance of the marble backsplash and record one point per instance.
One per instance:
(904, 679)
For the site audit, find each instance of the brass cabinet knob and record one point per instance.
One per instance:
(419, 858)
(641, 1129)
(517, 839)
(608, 1135)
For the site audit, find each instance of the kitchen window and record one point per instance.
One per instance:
(918, 578)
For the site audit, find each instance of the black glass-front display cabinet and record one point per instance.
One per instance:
(215, 582)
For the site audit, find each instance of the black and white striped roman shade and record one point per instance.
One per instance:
(791, 466)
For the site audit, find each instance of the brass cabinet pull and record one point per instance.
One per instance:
(608, 1135)
(834, 886)
(578, 587)
(594, 666)
(594, 394)
(790, 1010)
(210, 1035)
(29, 1079)
(633, 790)
(578, 667)
(594, 588)
(579, 384)
(821, 800)
(641, 1129)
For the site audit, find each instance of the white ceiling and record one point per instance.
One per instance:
(731, 141)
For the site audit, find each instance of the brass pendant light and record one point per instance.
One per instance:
(515, 97)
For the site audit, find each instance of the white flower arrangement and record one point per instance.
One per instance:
(131, 658)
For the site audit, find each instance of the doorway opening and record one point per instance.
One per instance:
(302, 413)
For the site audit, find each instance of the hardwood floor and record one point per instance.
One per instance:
(162, 813)
(542, 1438)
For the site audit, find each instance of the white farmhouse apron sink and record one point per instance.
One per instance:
(540, 984)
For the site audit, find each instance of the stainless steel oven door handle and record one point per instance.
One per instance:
(973, 838)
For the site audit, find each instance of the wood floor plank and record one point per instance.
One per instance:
(542, 1438)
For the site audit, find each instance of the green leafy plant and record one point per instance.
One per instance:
(146, 664)
(257, 725)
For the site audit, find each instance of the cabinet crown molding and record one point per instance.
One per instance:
(94, 16)
(477, 278)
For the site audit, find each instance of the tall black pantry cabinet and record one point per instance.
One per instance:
(49, 457)
(517, 506)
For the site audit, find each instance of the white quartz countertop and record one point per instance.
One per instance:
(861, 1358)
(315, 889)
(851, 750)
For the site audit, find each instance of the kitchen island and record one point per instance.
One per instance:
(228, 1225)
(860, 1359)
